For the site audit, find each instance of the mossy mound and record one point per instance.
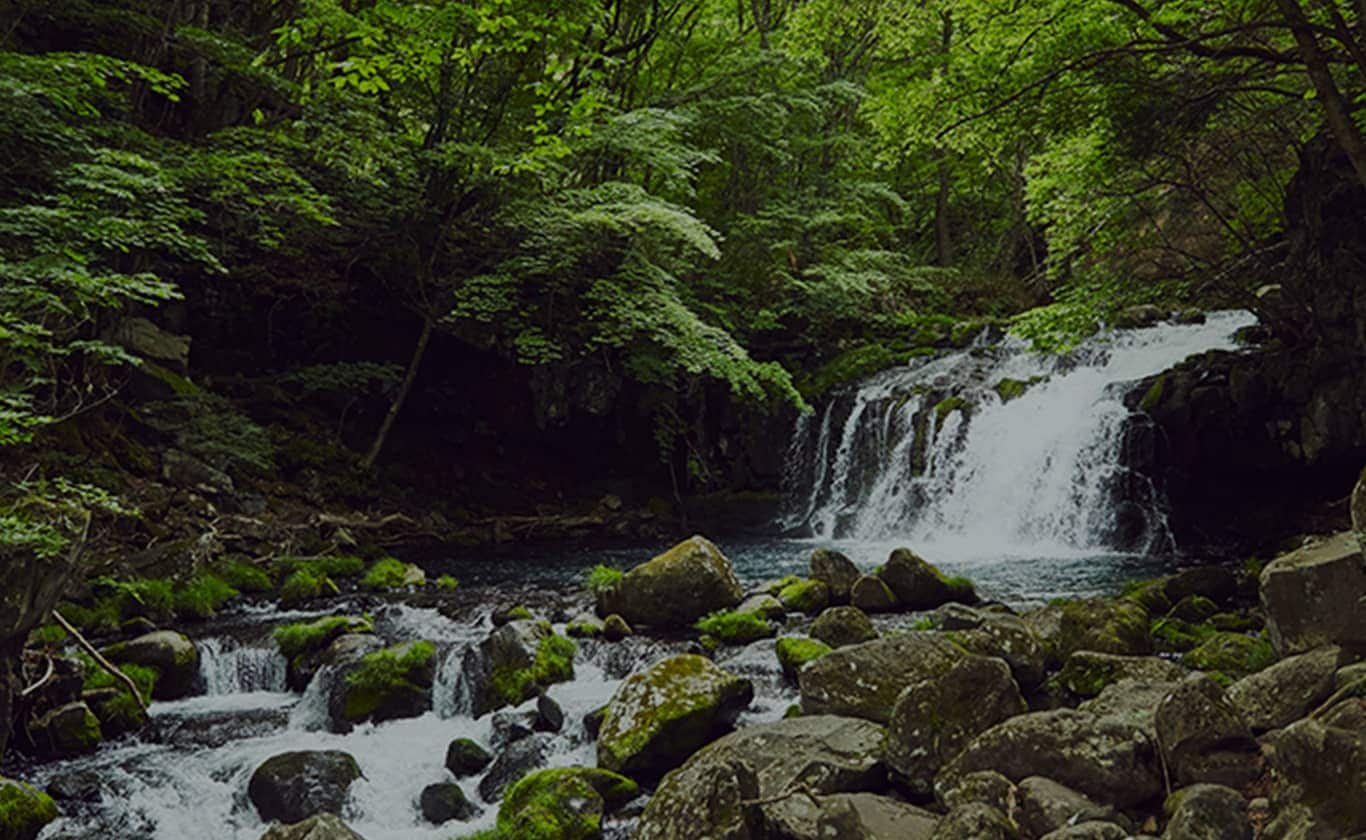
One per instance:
(805, 595)
(794, 652)
(313, 636)
(1231, 653)
(24, 811)
(562, 804)
(919, 585)
(733, 627)
(395, 682)
(390, 573)
(1105, 625)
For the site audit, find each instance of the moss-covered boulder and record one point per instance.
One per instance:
(1313, 597)
(1105, 625)
(615, 628)
(584, 626)
(1287, 691)
(24, 811)
(395, 682)
(1207, 812)
(1202, 736)
(919, 585)
(316, 827)
(836, 571)
(294, 786)
(934, 718)
(172, 654)
(302, 644)
(734, 627)
(870, 594)
(1087, 672)
(675, 588)
(1320, 781)
(1233, 654)
(68, 730)
(794, 652)
(1007, 637)
(843, 626)
(660, 716)
(508, 666)
(865, 680)
(805, 595)
(763, 605)
(565, 803)
(390, 573)
(706, 796)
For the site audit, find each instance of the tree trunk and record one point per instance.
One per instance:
(1335, 108)
(943, 238)
(397, 405)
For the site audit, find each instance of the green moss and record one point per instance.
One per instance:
(1234, 623)
(808, 596)
(735, 628)
(305, 584)
(48, 635)
(549, 804)
(309, 636)
(1153, 397)
(202, 595)
(151, 598)
(1010, 389)
(448, 583)
(1231, 653)
(23, 810)
(1194, 608)
(386, 573)
(948, 405)
(960, 588)
(794, 652)
(1150, 594)
(602, 579)
(519, 613)
(855, 363)
(329, 565)
(144, 677)
(101, 617)
(779, 585)
(553, 663)
(380, 674)
(1172, 635)
(247, 577)
(923, 623)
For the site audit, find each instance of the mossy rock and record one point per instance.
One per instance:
(676, 588)
(66, 731)
(389, 573)
(1172, 635)
(1012, 389)
(872, 595)
(585, 626)
(172, 654)
(309, 637)
(564, 803)
(1231, 653)
(1087, 673)
(1194, 609)
(919, 585)
(805, 595)
(734, 627)
(24, 811)
(392, 683)
(1105, 625)
(795, 651)
(515, 659)
(465, 757)
(842, 626)
(660, 716)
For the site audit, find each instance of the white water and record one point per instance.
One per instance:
(229, 668)
(1041, 475)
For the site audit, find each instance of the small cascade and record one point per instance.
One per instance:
(993, 451)
(450, 689)
(228, 667)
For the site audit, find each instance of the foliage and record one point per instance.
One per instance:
(386, 573)
(447, 582)
(247, 576)
(602, 579)
(385, 668)
(304, 584)
(202, 595)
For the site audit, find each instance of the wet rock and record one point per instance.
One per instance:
(294, 786)
(76, 786)
(934, 718)
(918, 585)
(564, 804)
(702, 798)
(584, 626)
(615, 628)
(1006, 637)
(66, 731)
(1286, 691)
(592, 721)
(318, 827)
(1046, 806)
(24, 811)
(836, 571)
(549, 715)
(1087, 672)
(1090, 830)
(763, 605)
(441, 803)
(465, 757)
(1105, 759)
(304, 645)
(1136, 317)
(173, 655)
(1320, 774)
(794, 652)
(1313, 597)
(514, 762)
(675, 588)
(500, 670)
(506, 613)
(985, 786)
(805, 596)
(872, 595)
(976, 821)
(842, 626)
(1207, 812)
(660, 716)
(866, 680)
(512, 726)
(388, 684)
(1202, 736)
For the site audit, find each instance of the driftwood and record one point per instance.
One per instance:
(100, 660)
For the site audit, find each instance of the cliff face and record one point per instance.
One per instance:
(1249, 443)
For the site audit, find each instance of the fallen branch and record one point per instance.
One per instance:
(51, 669)
(100, 660)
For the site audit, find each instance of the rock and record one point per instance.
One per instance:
(148, 341)
(294, 786)
(562, 804)
(1349, 714)
(675, 588)
(513, 661)
(702, 797)
(1104, 625)
(763, 605)
(1313, 597)
(1230, 653)
(189, 473)
(584, 626)
(976, 821)
(1193, 609)
(806, 596)
(1348, 674)
(1130, 701)
(794, 652)
(934, 718)
(592, 721)
(317, 827)
(872, 595)
(66, 731)
(1286, 691)
(441, 803)
(511, 726)
(387, 684)
(1320, 788)
(24, 811)
(1006, 637)
(465, 757)
(1105, 759)
(1046, 806)
(1137, 317)
(306, 644)
(660, 716)
(1091, 830)
(1087, 672)
(507, 613)
(615, 628)
(1202, 736)
(514, 762)
(549, 715)
(836, 571)
(1207, 812)
(866, 680)
(172, 654)
(858, 816)
(918, 585)
(842, 626)
(344, 651)
(985, 786)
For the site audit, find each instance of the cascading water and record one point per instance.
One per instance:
(993, 451)
(231, 668)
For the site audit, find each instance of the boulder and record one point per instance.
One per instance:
(934, 718)
(1088, 672)
(836, 571)
(976, 821)
(794, 652)
(1130, 701)
(514, 762)
(843, 626)
(1202, 736)
(872, 595)
(1313, 597)
(512, 726)
(1286, 691)
(855, 816)
(763, 605)
(566, 803)
(1105, 759)
(294, 786)
(445, 801)
(1235, 654)
(615, 628)
(918, 585)
(584, 626)
(1104, 625)
(66, 731)
(1207, 812)
(1046, 806)
(703, 797)
(1006, 637)
(866, 680)
(985, 786)
(676, 588)
(549, 714)
(24, 811)
(805, 596)
(1139, 316)
(172, 654)
(387, 684)
(317, 827)
(1320, 781)
(514, 661)
(465, 757)
(1090, 830)
(660, 716)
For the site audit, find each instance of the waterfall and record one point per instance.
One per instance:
(229, 668)
(994, 450)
